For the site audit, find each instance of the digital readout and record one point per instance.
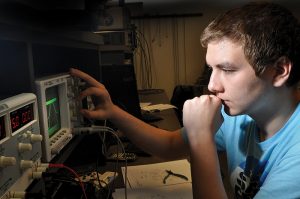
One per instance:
(21, 117)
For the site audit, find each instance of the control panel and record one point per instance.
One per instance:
(74, 87)
(20, 142)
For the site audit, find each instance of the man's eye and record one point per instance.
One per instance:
(228, 70)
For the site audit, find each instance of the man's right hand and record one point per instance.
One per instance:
(104, 109)
(202, 115)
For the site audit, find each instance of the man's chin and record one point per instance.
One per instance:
(231, 111)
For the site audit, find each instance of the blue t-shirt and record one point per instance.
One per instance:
(260, 170)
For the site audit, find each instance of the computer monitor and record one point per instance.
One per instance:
(55, 119)
(120, 81)
(15, 70)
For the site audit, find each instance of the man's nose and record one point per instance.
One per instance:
(214, 84)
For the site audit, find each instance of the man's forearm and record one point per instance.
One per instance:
(158, 142)
(206, 175)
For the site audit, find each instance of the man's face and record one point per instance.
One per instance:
(233, 79)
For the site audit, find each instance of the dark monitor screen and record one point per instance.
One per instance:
(53, 110)
(120, 81)
(52, 59)
(15, 73)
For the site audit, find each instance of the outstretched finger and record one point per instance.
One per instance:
(82, 75)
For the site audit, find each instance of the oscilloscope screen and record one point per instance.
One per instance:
(53, 110)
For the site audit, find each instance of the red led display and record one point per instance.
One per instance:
(2, 128)
(21, 117)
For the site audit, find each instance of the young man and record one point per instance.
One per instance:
(253, 114)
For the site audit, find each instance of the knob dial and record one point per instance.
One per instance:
(36, 138)
(7, 161)
(25, 147)
(24, 164)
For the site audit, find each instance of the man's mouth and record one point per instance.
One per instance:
(225, 102)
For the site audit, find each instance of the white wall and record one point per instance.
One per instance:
(175, 51)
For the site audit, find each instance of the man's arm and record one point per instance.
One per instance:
(207, 180)
(155, 141)
(201, 118)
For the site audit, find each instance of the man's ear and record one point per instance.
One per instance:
(283, 67)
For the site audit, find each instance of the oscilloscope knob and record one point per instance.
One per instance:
(24, 164)
(36, 138)
(25, 147)
(7, 161)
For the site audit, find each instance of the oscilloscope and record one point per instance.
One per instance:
(56, 103)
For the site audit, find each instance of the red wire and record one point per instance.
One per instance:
(72, 171)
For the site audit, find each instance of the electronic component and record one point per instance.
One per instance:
(54, 114)
(20, 142)
(96, 178)
(122, 157)
(59, 111)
